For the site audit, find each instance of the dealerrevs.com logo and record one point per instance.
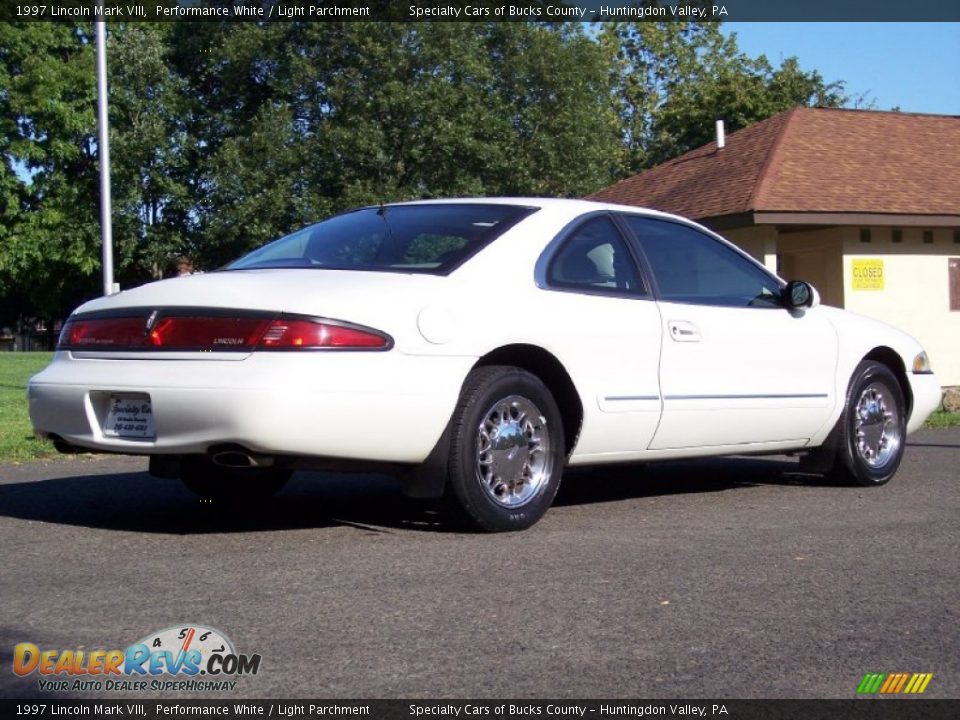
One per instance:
(180, 658)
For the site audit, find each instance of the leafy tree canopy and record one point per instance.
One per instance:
(225, 135)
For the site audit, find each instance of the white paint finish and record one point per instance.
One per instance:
(927, 396)
(610, 347)
(859, 336)
(377, 406)
(393, 406)
(690, 452)
(754, 374)
(437, 324)
(915, 297)
(386, 301)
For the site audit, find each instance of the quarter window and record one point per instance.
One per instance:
(595, 258)
(692, 267)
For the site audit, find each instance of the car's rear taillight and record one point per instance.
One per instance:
(289, 333)
(207, 333)
(177, 331)
(102, 333)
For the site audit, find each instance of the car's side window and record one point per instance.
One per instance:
(595, 258)
(692, 267)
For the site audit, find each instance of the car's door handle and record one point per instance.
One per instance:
(683, 331)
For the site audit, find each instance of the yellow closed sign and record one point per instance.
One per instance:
(868, 274)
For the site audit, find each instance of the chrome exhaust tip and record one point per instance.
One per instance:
(240, 459)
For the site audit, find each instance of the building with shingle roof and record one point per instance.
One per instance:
(865, 205)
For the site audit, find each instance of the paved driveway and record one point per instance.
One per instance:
(723, 578)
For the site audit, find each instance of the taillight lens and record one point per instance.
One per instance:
(290, 333)
(216, 333)
(207, 333)
(102, 334)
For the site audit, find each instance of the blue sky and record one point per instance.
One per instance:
(913, 65)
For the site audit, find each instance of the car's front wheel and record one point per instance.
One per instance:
(506, 450)
(231, 485)
(872, 430)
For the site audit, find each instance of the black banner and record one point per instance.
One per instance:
(861, 709)
(480, 10)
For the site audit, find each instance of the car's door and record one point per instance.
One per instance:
(600, 317)
(736, 366)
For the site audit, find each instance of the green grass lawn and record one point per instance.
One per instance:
(17, 442)
(942, 419)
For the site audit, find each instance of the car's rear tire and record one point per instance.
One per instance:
(231, 485)
(506, 452)
(871, 434)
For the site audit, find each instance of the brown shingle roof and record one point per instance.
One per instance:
(811, 160)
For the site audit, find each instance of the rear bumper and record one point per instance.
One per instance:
(927, 396)
(385, 407)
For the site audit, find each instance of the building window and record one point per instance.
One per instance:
(954, 270)
(898, 236)
(928, 237)
(864, 234)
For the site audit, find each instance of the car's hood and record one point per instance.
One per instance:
(361, 297)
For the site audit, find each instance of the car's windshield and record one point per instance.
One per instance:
(405, 238)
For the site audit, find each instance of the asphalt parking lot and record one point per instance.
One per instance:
(731, 578)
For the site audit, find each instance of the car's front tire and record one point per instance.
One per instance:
(231, 485)
(506, 451)
(872, 430)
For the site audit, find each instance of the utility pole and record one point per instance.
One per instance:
(103, 141)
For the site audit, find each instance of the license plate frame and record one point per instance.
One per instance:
(129, 417)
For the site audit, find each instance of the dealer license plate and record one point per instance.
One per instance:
(129, 416)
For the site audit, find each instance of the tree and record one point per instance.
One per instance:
(49, 238)
(297, 120)
(675, 79)
(226, 135)
(150, 173)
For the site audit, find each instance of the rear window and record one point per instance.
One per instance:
(400, 238)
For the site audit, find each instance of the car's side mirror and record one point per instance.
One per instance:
(800, 295)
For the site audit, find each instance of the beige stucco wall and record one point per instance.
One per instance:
(916, 293)
(817, 257)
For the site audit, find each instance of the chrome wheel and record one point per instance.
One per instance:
(876, 426)
(506, 450)
(514, 453)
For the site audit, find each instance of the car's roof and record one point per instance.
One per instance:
(566, 204)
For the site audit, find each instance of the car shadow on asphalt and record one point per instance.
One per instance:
(137, 502)
(621, 482)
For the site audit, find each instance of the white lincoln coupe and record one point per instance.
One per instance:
(474, 348)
